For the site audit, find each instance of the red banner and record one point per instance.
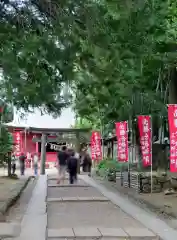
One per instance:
(17, 142)
(145, 131)
(122, 141)
(172, 121)
(96, 146)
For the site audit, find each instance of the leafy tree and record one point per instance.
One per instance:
(110, 51)
(6, 147)
(6, 139)
(6, 112)
(82, 123)
(129, 51)
(34, 59)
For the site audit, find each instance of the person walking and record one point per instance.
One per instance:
(35, 163)
(22, 159)
(72, 168)
(13, 163)
(87, 162)
(62, 164)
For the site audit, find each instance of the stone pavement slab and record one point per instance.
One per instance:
(73, 191)
(140, 232)
(93, 199)
(91, 232)
(88, 214)
(151, 221)
(101, 233)
(9, 230)
(54, 178)
(66, 183)
(61, 233)
(112, 232)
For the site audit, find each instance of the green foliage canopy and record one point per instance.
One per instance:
(6, 144)
(109, 50)
(35, 59)
(130, 47)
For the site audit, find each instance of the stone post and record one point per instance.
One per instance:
(43, 154)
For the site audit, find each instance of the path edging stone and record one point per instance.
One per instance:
(78, 199)
(67, 185)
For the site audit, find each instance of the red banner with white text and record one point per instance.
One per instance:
(122, 141)
(145, 131)
(17, 143)
(172, 122)
(96, 151)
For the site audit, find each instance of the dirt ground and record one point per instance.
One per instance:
(9, 189)
(17, 211)
(165, 203)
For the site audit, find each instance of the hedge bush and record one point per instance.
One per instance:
(112, 164)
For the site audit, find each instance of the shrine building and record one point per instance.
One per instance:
(46, 141)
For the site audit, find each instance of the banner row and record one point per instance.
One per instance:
(145, 134)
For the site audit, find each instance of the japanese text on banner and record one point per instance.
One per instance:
(122, 141)
(172, 120)
(17, 141)
(96, 146)
(144, 125)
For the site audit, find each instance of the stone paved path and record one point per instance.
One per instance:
(81, 211)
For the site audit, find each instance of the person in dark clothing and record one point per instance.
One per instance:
(62, 164)
(13, 164)
(22, 159)
(87, 162)
(72, 168)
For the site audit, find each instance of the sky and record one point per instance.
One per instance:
(46, 121)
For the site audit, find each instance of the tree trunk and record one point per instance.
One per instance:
(173, 87)
(9, 165)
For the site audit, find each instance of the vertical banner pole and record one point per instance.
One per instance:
(172, 123)
(151, 154)
(128, 159)
(96, 148)
(122, 146)
(131, 140)
(134, 143)
(25, 140)
(145, 131)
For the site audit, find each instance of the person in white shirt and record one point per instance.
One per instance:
(35, 163)
(77, 155)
